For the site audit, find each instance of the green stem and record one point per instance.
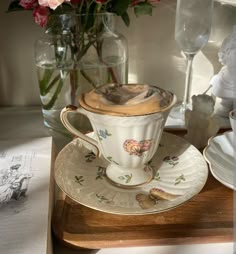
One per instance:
(88, 78)
(81, 6)
(112, 73)
(113, 76)
(85, 49)
(73, 84)
(46, 78)
(50, 104)
(47, 89)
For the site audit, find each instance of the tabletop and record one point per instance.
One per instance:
(27, 122)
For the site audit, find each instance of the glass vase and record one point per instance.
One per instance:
(76, 54)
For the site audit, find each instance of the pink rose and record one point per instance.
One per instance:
(53, 4)
(28, 4)
(41, 15)
(43, 2)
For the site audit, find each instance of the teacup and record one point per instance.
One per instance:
(232, 119)
(128, 125)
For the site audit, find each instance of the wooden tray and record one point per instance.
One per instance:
(206, 218)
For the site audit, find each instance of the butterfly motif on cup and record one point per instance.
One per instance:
(133, 147)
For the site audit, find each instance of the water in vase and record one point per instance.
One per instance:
(60, 87)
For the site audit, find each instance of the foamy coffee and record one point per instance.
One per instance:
(126, 99)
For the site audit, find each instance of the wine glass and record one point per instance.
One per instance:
(192, 31)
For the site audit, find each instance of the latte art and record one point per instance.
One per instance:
(127, 99)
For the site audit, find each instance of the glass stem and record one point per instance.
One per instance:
(187, 87)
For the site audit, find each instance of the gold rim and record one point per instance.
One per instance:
(107, 112)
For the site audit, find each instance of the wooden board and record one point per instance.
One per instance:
(206, 218)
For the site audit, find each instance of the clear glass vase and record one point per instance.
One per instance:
(76, 54)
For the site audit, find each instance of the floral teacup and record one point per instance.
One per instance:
(128, 122)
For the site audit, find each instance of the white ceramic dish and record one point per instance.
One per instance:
(220, 155)
(181, 173)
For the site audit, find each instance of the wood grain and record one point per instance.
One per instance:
(206, 218)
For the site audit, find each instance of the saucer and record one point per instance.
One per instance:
(220, 155)
(180, 173)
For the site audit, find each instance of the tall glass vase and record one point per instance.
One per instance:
(76, 54)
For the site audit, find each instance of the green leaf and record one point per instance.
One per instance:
(54, 81)
(143, 8)
(45, 80)
(125, 18)
(120, 7)
(50, 104)
(14, 6)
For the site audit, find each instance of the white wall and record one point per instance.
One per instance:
(153, 54)
(17, 71)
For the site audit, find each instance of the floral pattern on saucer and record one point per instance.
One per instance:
(180, 173)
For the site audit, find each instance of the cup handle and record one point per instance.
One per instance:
(93, 144)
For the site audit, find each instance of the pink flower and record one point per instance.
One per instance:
(41, 15)
(53, 4)
(28, 4)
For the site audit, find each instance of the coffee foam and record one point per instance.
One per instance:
(126, 100)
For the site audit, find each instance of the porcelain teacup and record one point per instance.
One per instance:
(128, 125)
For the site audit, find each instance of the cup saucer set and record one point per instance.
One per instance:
(128, 165)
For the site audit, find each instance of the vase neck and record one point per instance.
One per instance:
(81, 23)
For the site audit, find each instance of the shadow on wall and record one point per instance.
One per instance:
(153, 54)
(17, 69)
(155, 58)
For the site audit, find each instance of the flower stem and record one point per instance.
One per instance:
(47, 89)
(73, 84)
(113, 76)
(88, 78)
(44, 81)
(50, 104)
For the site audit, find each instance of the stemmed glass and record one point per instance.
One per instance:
(192, 31)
